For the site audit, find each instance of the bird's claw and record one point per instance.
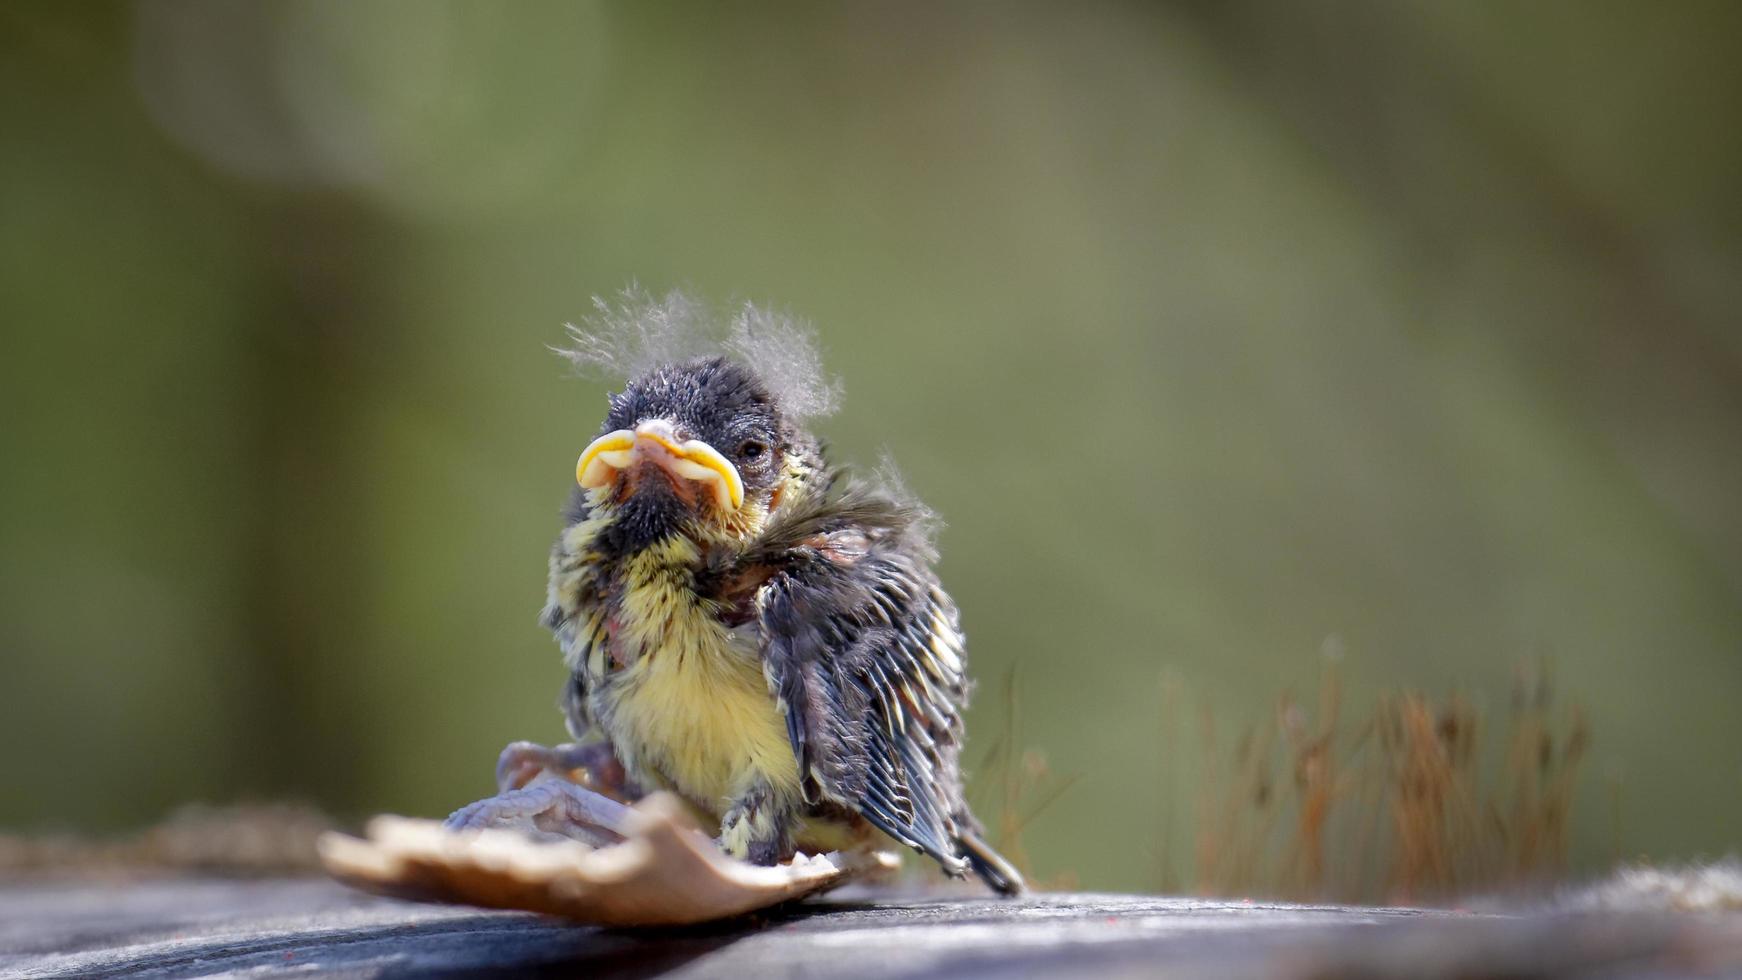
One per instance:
(552, 808)
(592, 765)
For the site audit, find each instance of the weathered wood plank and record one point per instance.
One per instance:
(186, 928)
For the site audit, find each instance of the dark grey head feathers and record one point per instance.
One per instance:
(746, 384)
(742, 384)
(719, 401)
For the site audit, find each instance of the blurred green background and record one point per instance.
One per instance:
(1213, 330)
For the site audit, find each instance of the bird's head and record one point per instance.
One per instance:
(699, 448)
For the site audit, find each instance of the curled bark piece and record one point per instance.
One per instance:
(648, 868)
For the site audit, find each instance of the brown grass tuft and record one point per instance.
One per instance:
(1399, 807)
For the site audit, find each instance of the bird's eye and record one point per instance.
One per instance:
(751, 449)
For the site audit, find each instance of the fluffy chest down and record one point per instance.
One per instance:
(690, 706)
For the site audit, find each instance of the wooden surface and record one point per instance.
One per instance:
(303, 928)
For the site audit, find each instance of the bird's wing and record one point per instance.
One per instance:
(862, 648)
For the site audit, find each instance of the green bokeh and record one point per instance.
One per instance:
(1212, 330)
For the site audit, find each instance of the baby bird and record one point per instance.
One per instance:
(749, 627)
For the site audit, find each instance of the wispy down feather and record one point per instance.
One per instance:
(637, 333)
(783, 351)
(922, 524)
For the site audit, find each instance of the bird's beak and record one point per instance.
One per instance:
(656, 441)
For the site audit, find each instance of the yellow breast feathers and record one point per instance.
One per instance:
(691, 704)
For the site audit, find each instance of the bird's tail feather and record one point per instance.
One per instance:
(991, 866)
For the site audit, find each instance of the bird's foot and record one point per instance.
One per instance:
(756, 829)
(592, 765)
(551, 808)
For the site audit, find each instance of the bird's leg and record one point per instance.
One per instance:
(758, 826)
(593, 765)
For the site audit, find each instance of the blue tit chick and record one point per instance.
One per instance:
(753, 629)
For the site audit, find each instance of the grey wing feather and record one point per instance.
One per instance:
(867, 657)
